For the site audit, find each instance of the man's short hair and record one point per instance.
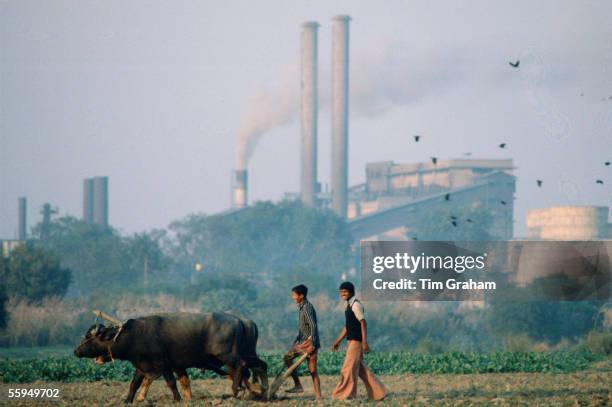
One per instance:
(348, 286)
(300, 289)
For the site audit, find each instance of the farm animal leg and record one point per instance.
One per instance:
(234, 369)
(142, 394)
(171, 382)
(144, 388)
(134, 385)
(259, 370)
(183, 379)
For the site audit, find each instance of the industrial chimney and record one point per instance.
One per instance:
(239, 188)
(23, 226)
(339, 113)
(100, 200)
(309, 112)
(95, 200)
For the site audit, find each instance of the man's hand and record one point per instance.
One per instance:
(305, 347)
(365, 347)
(335, 346)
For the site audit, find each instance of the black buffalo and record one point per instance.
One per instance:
(159, 345)
(248, 352)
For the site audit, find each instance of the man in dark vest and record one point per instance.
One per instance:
(355, 331)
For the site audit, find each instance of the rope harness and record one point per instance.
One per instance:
(108, 346)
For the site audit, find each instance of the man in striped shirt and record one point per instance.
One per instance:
(307, 340)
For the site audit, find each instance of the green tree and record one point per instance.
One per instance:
(3, 271)
(34, 273)
(264, 241)
(145, 255)
(100, 258)
(452, 224)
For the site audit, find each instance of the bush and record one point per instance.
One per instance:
(598, 342)
(33, 273)
(3, 312)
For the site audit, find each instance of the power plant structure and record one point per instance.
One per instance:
(309, 114)
(569, 223)
(339, 114)
(310, 190)
(393, 194)
(239, 189)
(95, 200)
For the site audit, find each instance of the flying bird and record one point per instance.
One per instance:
(503, 202)
(453, 217)
(434, 160)
(502, 145)
(469, 220)
(467, 154)
(454, 223)
(515, 64)
(417, 138)
(599, 181)
(607, 163)
(447, 197)
(539, 182)
(414, 238)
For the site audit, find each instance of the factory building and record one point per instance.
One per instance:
(395, 194)
(569, 223)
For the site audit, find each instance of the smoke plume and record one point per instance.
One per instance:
(380, 80)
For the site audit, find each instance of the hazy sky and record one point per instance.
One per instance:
(152, 94)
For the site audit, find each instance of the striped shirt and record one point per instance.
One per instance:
(307, 324)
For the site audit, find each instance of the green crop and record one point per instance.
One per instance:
(69, 369)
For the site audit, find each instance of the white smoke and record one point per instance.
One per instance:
(380, 80)
(269, 108)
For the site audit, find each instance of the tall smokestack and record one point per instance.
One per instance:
(309, 112)
(100, 200)
(22, 230)
(339, 112)
(88, 200)
(239, 188)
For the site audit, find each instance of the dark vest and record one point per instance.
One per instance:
(353, 326)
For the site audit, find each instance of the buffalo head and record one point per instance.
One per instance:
(96, 343)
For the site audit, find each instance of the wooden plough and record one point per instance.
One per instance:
(282, 376)
(280, 379)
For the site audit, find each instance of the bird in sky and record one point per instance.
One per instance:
(453, 217)
(447, 197)
(417, 138)
(503, 202)
(515, 64)
(599, 181)
(502, 145)
(607, 163)
(454, 223)
(539, 182)
(434, 160)
(469, 220)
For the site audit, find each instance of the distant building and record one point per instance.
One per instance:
(95, 200)
(393, 195)
(9, 245)
(569, 223)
